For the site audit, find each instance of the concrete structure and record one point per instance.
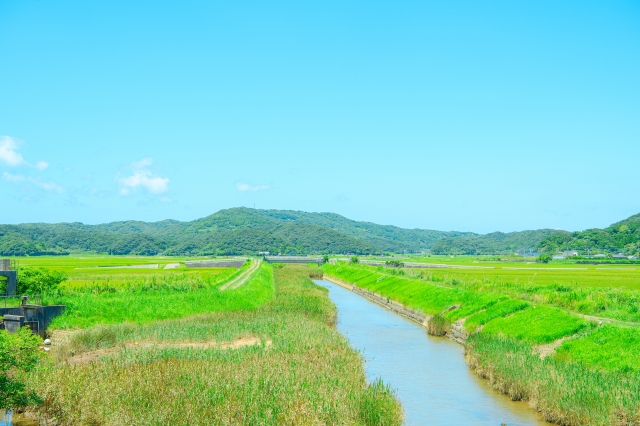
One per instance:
(293, 259)
(35, 317)
(9, 273)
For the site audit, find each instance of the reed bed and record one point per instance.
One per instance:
(308, 375)
(567, 393)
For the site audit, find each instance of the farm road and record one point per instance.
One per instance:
(242, 278)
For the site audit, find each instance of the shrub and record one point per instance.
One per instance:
(39, 280)
(18, 352)
(544, 258)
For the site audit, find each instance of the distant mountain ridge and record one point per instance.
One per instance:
(247, 231)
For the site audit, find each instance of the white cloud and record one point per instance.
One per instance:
(47, 186)
(9, 152)
(244, 187)
(9, 177)
(144, 179)
(144, 163)
(10, 156)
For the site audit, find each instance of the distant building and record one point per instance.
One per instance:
(558, 257)
(570, 253)
(600, 256)
(619, 256)
(632, 258)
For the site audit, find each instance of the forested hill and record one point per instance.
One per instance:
(495, 242)
(621, 237)
(247, 231)
(232, 231)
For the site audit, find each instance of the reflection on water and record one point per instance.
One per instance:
(7, 418)
(429, 375)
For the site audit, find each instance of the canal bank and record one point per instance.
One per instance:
(429, 374)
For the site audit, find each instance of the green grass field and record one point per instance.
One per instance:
(530, 273)
(171, 296)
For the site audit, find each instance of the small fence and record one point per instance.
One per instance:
(16, 301)
(222, 263)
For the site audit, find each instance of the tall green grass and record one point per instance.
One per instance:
(566, 393)
(309, 375)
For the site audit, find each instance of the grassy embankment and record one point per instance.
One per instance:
(593, 378)
(610, 291)
(302, 372)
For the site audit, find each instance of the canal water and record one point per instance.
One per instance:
(428, 374)
(9, 419)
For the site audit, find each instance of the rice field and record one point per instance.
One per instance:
(624, 276)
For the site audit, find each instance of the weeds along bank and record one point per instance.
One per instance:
(574, 371)
(299, 371)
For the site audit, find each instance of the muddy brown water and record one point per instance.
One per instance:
(428, 374)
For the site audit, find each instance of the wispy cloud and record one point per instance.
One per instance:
(143, 178)
(47, 186)
(9, 154)
(10, 177)
(244, 187)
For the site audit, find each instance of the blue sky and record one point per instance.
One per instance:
(472, 116)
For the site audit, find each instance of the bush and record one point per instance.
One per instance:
(544, 258)
(39, 280)
(354, 260)
(18, 351)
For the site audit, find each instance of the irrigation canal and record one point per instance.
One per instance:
(429, 374)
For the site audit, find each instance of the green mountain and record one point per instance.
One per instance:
(232, 231)
(248, 231)
(494, 243)
(621, 237)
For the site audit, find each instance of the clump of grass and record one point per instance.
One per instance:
(438, 325)
(378, 405)
(309, 375)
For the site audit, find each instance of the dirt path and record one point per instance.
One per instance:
(242, 278)
(87, 357)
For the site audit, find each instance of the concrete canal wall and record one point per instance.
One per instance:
(456, 333)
